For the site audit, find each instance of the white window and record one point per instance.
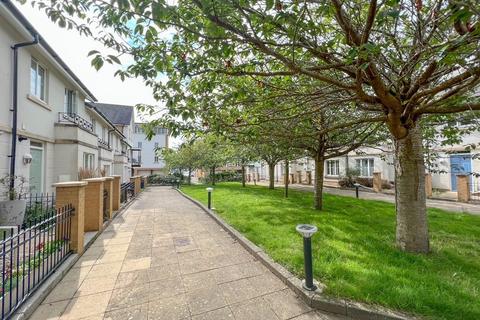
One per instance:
(155, 159)
(38, 76)
(94, 124)
(70, 101)
(88, 160)
(366, 167)
(138, 129)
(333, 167)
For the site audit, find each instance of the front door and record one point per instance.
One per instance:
(459, 164)
(36, 170)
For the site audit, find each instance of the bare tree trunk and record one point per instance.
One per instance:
(271, 174)
(213, 176)
(412, 224)
(287, 174)
(318, 183)
(189, 176)
(243, 175)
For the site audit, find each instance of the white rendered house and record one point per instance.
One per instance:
(56, 134)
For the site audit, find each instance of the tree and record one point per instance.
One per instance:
(400, 60)
(185, 158)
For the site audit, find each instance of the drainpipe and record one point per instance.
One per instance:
(15, 109)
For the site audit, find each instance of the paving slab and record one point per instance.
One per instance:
(165, 258)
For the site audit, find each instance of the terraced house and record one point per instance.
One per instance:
(47, 130)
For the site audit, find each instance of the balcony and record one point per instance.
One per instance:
(71, 128)
(103, 144)
(73, 118)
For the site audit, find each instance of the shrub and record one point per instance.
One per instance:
(36, 212)
(349, 179)
(162, 180)
(224, 176)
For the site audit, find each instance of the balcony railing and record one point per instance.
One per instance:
(65, 117)
(103, 143)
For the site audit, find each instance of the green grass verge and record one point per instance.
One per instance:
(354, 252)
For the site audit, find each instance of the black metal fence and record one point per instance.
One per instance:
(30, 254)
(474, 188)
(126, 191)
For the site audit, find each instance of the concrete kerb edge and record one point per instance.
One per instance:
(314, 299)
(34, 301)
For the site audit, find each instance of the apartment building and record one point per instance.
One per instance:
(450, 161)
(147, 159)
(46, 130)
(122, 118)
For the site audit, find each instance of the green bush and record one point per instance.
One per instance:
(224, 176)
(37, 212)
(163, 180)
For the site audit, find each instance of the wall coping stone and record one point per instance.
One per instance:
(70, 184)
(94, 179)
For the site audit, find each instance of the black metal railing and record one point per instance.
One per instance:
(75, 119)
(30, 255)
(474, 187)
(39, 205)
(105, 205)
(102, 143)
(126, 191)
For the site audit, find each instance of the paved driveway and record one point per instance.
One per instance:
(164, 258)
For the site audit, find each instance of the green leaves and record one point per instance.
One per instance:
(97, 62)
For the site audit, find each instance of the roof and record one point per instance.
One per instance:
(116, 113)
(101, 114)
(23, 20)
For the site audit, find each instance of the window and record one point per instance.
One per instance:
(160, 130)
(70, 101)
(333, 167)
(37, 80)
(88, 160)
(94, 124)
(139, 145)
(155, 149)
(104, 134)
(365, 166)
(138, 128)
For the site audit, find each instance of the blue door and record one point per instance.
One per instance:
(459, 164)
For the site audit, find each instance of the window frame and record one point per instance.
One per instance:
(33, 90)
(89, 161)
(335, 165)
(69, 93)
(370, 166)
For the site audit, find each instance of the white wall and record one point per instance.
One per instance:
(36, 119)
(148, 147)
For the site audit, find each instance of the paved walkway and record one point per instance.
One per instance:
(164, 258)
(469, 208)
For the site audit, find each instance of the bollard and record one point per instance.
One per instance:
(307, 231)
(209, 190)
(356, 189)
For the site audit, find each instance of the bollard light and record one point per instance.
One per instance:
(356, 185)
(307, 231)
(209, 190)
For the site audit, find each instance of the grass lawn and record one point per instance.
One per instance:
(354, 253)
